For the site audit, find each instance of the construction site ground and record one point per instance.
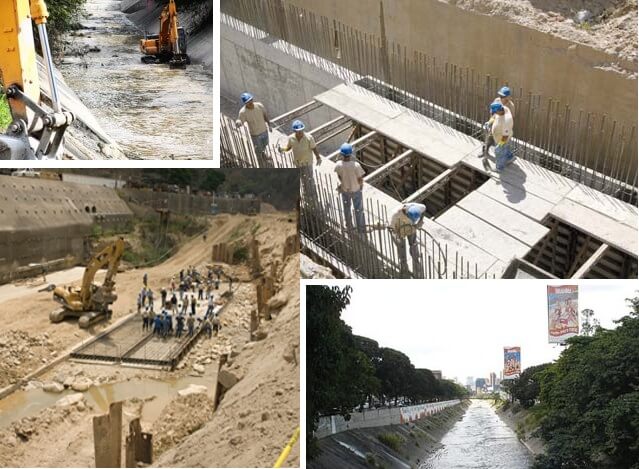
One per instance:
(37, 430)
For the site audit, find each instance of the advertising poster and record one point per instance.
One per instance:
(512, 362)
(563, 313)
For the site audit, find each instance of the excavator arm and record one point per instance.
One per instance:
(19, 81)
(108, 258)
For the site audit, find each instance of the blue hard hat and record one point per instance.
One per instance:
(346, 149)
(414, 213)
(298, 126)
(246, 97)
(496, 107)
(504, 92)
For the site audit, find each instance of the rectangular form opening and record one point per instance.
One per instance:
(566, 250)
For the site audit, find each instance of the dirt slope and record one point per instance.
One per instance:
(612, 26)
(260, 413)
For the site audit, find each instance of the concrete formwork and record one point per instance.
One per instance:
(43, 220)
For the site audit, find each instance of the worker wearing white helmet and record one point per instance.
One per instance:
(404, 223)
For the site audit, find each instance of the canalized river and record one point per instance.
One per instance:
(152, 111)
(480, 440)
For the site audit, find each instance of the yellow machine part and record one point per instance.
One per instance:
(17, 52)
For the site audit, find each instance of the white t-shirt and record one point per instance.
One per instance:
(400, 223)
(502, 125)
(255, 118)
(349, 173)
(302, 149)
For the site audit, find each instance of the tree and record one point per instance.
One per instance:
(395, 373)
(590, 397)
(338, 375)
(213, 180)
(589, 324)
(526, 388)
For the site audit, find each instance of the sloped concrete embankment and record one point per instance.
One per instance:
(524, 424)
(45, 220)
(196, 18)
(363, 447)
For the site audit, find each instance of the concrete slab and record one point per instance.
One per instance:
(430, 138)
(476, 231)
(516, 198)
(599, 226)
(504, 218)
(605, 204)
(355, 106)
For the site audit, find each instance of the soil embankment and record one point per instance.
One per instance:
(409, 443)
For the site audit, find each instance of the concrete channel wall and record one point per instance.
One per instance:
(283, 77)
(330, 425)
(191, 203)
(577, 75)
(44, 220)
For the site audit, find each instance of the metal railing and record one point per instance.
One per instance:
(587, 147)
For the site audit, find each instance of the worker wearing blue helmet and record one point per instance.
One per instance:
(499, 129)
(351, 178)
(254, 115)
(303, 146)
(405, 220)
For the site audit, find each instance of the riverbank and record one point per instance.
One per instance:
(394, 446)
(524, 423)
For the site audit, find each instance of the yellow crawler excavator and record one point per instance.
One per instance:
(38, 123)
(91, 302)
(169, 45)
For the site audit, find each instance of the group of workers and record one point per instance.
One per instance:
(406, 218)
(195, 292)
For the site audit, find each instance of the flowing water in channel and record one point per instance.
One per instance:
(151, 111)
(480, 440)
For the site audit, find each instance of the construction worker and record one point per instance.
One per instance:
(303, 146)
(504, 96)
(158, 324)
(501, 130)
(163, 294)
(174, 302)
(151, 319)
(190, 324)
(149, 297)
(180, 325)
(211, 305)
(207, 326)
(145, 318)
(200, 291)
(351, 177)
(193, 304)
(254, 114)
(404, 222)
(216, 324)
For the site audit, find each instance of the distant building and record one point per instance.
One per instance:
(480, 385)
(437, 374)
(492, 379)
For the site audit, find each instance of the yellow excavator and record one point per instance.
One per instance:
(169, 45)
(38, 123)
(91, 302)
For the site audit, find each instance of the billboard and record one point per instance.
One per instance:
(512, 362)
(563, 313)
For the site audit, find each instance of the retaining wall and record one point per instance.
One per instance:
(43, 220)
(540, 63)
(282, 77)
(333, 424)
(174, 202)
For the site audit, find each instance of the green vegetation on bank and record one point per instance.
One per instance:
(5, 113)
(63, 17)
(586, 404)
(345, 371)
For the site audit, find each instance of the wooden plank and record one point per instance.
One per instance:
(481, 234)
(393, 164)
(605, 204)
(504, 218)
(594, 259)
(597, 225)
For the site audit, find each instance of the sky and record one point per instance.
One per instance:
(461, 327)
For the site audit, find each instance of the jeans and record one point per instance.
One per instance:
(414, 253)
(358, 206)
(307, 178)
(260, 142)
(503, 156)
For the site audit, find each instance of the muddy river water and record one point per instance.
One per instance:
(480, 440)
(27, 403)
(152, 111)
